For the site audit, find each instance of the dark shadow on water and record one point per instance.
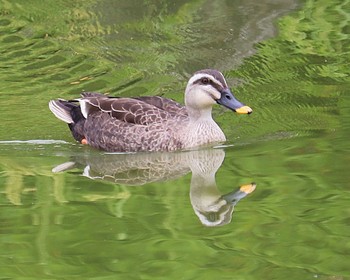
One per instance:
(212, 207)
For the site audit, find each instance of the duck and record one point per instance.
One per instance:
(150, 123)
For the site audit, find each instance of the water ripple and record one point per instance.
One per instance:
(33, 142)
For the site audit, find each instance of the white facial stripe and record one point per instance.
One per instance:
(223, 78)
(199, 76)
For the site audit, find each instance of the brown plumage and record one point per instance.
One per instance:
(150, 123)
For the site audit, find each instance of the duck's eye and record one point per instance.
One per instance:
(205, 81)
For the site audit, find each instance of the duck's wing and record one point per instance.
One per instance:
(165, 104)
(141, 111)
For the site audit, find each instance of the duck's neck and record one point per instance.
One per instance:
(202, 129)
(200, 115)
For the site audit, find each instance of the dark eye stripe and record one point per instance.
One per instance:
(200, 81)
(205, 81)
(211, 82)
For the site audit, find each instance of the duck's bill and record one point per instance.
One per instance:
(243, 191)
(229, 101)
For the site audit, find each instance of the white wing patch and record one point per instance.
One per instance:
(84, 107)
(60, 112)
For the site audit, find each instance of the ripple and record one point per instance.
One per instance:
(33, 142)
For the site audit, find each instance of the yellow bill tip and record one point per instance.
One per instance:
(244, 110)
(249, 188)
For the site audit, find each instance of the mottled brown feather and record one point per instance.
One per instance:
(165, 104)
(144, 110)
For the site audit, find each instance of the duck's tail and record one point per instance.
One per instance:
(70, 113)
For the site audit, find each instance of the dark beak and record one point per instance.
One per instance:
(229, 101)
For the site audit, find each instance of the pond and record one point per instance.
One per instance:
(271, 203)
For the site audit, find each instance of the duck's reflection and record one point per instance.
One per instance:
(211, 206)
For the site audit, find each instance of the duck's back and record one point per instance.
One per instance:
(144, 110)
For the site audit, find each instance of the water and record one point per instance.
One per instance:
(70, 212)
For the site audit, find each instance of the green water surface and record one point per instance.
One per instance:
(70, 212)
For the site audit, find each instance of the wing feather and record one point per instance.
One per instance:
(142, 110)
(165, 104)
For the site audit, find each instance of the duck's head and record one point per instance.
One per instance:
(208, 87)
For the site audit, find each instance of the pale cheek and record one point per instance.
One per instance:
(215, 95)
(209, 100)
(198, 100)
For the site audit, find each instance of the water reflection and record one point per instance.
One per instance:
(212, 207)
